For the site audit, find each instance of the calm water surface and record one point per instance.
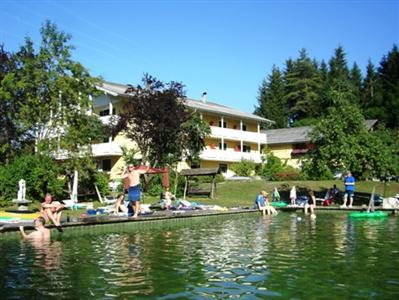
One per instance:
(246, 257)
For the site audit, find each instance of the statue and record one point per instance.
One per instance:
(22, 190)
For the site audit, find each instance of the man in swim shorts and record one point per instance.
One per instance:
(132, 177)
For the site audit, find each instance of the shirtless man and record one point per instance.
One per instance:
(40, 233)
(132, 176)
(51, 210)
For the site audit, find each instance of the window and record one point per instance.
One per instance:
(223, 168)
(104, 165)
(246, 148)
(244, 127)
(224, 125)
(107, 139)
(105, 112)
(224, 146)
(195, 165)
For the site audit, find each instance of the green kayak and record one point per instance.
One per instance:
(365, 214)
(279, 204)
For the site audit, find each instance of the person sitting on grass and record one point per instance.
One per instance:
(40, 233)
(51, 210)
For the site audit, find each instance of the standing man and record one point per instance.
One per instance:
(349, 189)
(132, 178)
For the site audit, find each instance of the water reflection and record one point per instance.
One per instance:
(237, 257)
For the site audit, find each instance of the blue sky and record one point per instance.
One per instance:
(225, 48)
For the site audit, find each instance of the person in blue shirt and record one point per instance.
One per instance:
(349, 189)
(260, 202)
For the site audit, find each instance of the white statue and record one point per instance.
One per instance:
(22, 190)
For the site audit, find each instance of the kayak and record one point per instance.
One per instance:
(365, 214)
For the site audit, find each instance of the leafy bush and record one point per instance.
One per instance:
(289, 173)
(244, 168)
(41, 173)
(273, 166)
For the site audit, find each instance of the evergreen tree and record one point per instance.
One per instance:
(302, 88)
(356, 80)
(271, 99)
(388, 74)
(371, 101)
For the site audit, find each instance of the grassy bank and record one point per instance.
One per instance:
(243, 193)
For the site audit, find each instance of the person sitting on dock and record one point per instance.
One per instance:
(168, 197)
(40, 233)
(51, 211)
(120, 207)
(262, 203)
(311, 205)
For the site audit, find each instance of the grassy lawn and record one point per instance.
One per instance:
(243, 193)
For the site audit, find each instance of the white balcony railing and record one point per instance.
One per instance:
(106, 149)
(229, 155)
(107, 119)
(238, 135)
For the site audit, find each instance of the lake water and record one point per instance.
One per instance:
(240, 256)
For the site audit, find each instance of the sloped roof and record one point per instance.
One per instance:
(296, 135)
(116, 89)
(288, 135)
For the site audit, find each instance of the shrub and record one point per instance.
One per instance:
(40, 172)
(244, 168)
(272, 167)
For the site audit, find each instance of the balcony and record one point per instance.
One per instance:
(229, 155)
(238, 135)
(106, 119)
(106, 149)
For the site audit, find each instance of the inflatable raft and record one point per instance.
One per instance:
(279, 204)
(365, 214)
(15, 217)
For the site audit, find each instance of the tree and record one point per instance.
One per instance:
(302, 88)
(158, 121)
(52, 94)
(342, 142)
(271, 103)
(388, 74)
(8, 109)
(371, 101)
(356, 80)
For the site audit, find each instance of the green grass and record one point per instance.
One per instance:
(243, 193)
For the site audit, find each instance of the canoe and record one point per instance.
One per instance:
(365, 214)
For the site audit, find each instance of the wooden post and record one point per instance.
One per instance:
(213, 187)
(185, 187)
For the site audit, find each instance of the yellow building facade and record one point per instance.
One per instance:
(235, 135)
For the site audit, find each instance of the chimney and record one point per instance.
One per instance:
(203, 97)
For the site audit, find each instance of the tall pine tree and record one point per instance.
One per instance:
(271, 99)
(388, 73)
